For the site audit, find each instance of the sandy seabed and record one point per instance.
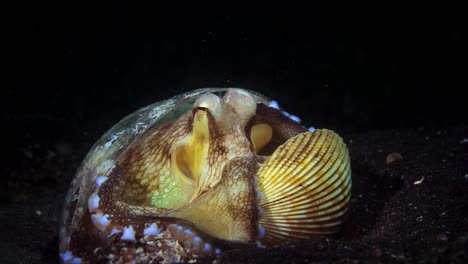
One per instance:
(409, 202)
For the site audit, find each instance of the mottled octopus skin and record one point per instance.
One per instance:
(225, 171)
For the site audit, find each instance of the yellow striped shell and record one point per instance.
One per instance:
(305, 187)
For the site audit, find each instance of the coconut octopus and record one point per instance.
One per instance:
(206, 171)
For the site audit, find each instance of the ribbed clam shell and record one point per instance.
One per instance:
(305, 187)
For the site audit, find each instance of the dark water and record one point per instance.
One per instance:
(356, 66)
(71, 73)
(77, 71)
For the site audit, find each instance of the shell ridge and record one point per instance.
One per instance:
(332, 198)
(281, 166)
(311, 197)
(277, 191)
(306, 177)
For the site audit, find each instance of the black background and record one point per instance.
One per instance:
(72, 72)
(356, 66)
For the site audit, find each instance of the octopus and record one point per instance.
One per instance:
(201, 173)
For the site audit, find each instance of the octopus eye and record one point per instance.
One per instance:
(208, 103)
(201, 108)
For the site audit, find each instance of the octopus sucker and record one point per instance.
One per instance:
(201, 173)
